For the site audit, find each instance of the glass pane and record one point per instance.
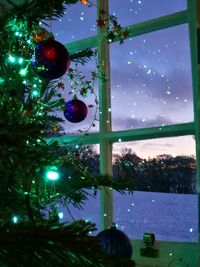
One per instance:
(77, 16)
(165, 201)
(134, 11)
(152, 82)
(90, 209)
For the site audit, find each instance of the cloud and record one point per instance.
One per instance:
(166, 73)
(129, 123)
(177, 83)
(155, 145)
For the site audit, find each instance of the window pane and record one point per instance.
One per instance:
(90, 210)
(78, 16)
(134, 11)
(151, 82)
(165, 201)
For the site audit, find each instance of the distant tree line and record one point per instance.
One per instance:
(163, 173)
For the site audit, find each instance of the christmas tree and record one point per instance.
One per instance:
(34, 173)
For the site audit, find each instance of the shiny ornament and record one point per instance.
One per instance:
(41, 34)
(56, 128)
(75, 110)
(51, 59)
(61, 85)
(115, 242)
(84, 2)
(101, 22)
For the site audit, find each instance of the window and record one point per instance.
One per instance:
(146, 108)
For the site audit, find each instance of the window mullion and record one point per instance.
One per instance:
(157, 24)
(104, 116)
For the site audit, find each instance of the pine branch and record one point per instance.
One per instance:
(54, 245)
(82, 56)
(36, 10)
(48, 245)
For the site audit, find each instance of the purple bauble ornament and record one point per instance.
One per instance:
(51, 59)
(75, 110)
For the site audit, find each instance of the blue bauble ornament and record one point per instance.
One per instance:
(115, 242)
(51, 59)
(75, 110)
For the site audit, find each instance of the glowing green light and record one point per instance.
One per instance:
(35, 93)
(23, 72)
(28, 41)
(35, 85)
(17, 33)
(52, 173)
(14, 219)
(20, 60)
(2, 80)
(11, 59)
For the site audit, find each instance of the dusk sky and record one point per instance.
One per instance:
(150, 74)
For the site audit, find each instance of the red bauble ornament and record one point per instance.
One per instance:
(51, 59)
(75, 110)
(115, 242)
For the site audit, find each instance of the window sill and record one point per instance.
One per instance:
(168, 251)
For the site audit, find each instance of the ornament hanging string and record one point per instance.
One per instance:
(51, 17)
